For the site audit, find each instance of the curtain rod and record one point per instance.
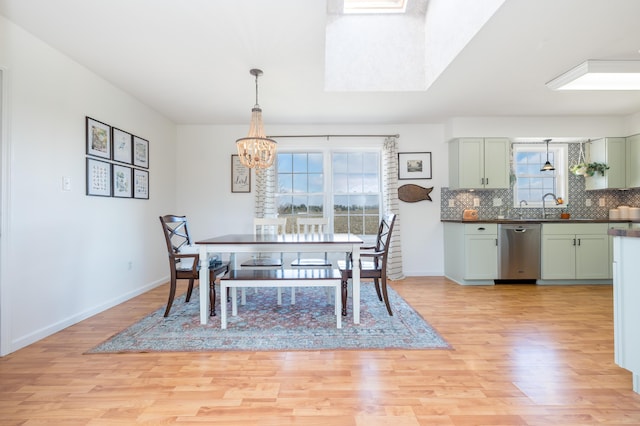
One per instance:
(334, 136)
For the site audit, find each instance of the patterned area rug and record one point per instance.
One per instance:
(262, 325)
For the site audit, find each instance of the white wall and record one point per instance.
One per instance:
(65, 255)
(205, 194)
(540, 127)
(632, 124)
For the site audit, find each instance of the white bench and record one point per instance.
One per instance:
(242, 278)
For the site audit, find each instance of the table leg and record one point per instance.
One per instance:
(204, 286)
(355, 275)
(234, 301)
(223, 304)
(338, 305)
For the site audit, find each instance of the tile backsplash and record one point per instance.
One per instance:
(463, 199)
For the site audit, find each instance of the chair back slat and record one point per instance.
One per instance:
(269, 226)
(314, 226)
(383, 239)
(176, 233)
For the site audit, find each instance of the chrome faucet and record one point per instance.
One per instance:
(525, 203)
(544, 213)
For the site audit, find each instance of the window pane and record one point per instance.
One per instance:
(355, 162)
(371, 225)
(341, 204)
(340, 162)
(316, 205)
(371, 165)
(300, 163)
(300, 204)
(371, 182)
(284, 205)
(300, 183)
(355, 183)
(315, 163)
(356, 225)
(372, 205)
(341, 224)
(340, 182)
(285, 163)
(316, 182)
(285, 183)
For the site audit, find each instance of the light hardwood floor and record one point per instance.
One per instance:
(522, 355)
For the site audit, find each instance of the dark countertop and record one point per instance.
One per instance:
(632, 233)
(539, 220)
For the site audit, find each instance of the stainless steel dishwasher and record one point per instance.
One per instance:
(519, 252)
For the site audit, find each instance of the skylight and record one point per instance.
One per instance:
(375, 6)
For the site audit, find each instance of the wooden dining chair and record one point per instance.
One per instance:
(184, 260)
(311, 227)
(373, 263)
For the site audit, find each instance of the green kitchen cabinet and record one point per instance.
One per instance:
(479, 163)
(575, 251)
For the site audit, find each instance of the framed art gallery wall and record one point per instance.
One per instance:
(117, 162)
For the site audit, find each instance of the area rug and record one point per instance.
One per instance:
(262, 325)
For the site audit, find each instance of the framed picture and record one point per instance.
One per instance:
(240, 176)
(122, 186)
(140, 152)
(122, 146)
(98, 138)
(140, 184)
(98, 178)
(414, 165)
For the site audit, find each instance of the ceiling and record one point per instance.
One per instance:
(190, 60)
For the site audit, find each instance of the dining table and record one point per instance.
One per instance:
(234, 244)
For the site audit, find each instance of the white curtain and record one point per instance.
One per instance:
(391, 205)
(265, 200)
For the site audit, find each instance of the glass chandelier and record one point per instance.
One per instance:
(256, 150)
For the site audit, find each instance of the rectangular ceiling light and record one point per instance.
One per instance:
(375, 6)
(600, 75)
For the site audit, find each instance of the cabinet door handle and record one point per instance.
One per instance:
(578, 241)
(481, 229)
(487, 181)
(574, 241)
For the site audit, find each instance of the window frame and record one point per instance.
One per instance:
(327, 161)
(561, 163)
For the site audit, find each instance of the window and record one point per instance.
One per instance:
(300, 186)
(356, 192)
(343, 186)
(531, 183)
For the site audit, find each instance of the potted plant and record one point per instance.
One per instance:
(593, 168)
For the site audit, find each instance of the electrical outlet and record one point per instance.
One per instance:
(587, 202)
(601, 202)
(497, 202)
(66, 183)
(452, 203)
(476, 202)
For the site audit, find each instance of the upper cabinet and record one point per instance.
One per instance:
(611, 151)
(633, 161)
(622, 155)
(479, 163)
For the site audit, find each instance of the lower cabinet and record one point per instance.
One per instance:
(575, 251)
(471, 252)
